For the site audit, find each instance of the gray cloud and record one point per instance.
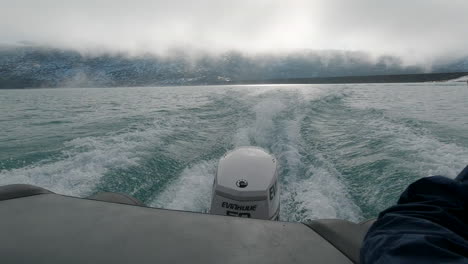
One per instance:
(418, 30)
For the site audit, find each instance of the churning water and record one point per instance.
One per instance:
(345, 151)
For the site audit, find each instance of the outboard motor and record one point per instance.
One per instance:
(246, 185)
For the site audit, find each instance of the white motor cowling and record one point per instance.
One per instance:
(246, 185)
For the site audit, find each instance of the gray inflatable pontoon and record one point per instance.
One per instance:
(38, 226)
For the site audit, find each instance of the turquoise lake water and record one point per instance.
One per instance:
(345, 151)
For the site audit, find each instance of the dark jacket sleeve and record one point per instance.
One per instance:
(429, 224)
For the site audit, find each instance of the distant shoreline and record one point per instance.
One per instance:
(392, 78)
(395, 78)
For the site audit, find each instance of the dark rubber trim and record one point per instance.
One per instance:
(120, 198)
(14, 191)
(330, 242)
(345, 236)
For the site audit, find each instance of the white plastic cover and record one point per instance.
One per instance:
(246, 184)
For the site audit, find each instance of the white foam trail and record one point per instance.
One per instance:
(85, 161)
(241, 138)
(318, 193)
(190, 191)
(261, 131)
(266, 111)
(79, 172)
(429, 155)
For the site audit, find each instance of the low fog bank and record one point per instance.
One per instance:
(418, 31)
(29, 65)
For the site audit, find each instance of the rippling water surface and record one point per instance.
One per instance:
(345, 151)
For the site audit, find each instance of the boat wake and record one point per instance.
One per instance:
(337, 158)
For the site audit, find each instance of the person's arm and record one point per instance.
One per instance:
(429, 224)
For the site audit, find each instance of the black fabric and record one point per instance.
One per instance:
(429, 224)
(13, 191)
(463, 176)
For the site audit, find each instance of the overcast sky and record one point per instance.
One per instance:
(417, 30)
